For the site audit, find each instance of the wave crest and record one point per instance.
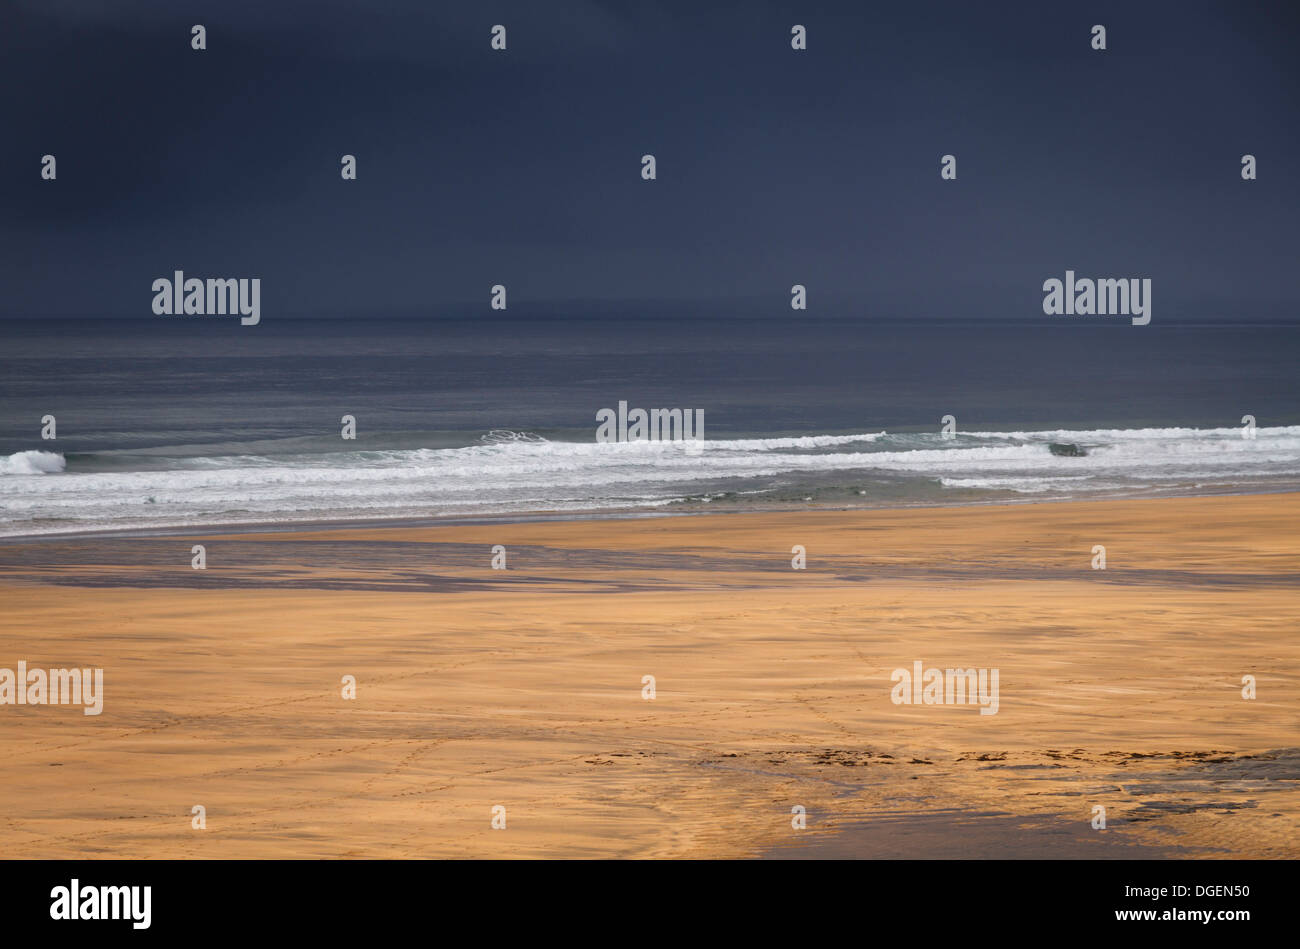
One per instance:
(32, 463)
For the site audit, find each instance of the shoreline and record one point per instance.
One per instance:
(230, 528)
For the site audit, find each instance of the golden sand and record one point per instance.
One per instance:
(1119, 688)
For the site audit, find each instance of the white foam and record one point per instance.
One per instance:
(31, 463)
(518, 472)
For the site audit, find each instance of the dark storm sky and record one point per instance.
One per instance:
(775, 167)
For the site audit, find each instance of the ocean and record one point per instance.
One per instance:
(180, 422)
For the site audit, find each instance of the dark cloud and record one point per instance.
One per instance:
(522, 168)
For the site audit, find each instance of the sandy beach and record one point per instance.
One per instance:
(523, 688)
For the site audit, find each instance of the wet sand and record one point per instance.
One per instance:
(1119, 688)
